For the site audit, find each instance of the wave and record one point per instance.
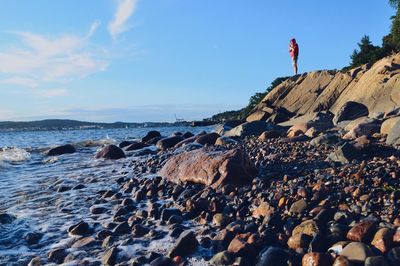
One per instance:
(95, 143)
(14, 155)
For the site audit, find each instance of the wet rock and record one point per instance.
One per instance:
(316, 259)
(168, 212)
(299, 206)
(213, 169)
(273, 256)
(110, 152)
(85, 242)
(356, 252)
(122, 229)
(350, 111)
(151, 135)
(80, 229)
(187, 134)
(139, 230)
(36, 261)
(33, 238)
(169, 142)
(162, 261)
(98, 209)
(108, 242)
(185, 245)
(208, 139)
(376, 261)
(124, 143)
(110, 257)
(57, 255)
(362, 231)
(239, 247)
(136, 146)
(222, 239)
(6, 218)
(383, 239)
(222, 259)
(64, 149)
(254, 128)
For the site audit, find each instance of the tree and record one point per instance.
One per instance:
(368, 53)
(394, 3)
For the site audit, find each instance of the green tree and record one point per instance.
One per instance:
(367, 53)
(394, 3)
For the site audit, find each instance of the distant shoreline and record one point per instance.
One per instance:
(67, 124)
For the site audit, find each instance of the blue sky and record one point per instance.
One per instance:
(146, 60)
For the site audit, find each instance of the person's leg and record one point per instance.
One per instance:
(295, 65)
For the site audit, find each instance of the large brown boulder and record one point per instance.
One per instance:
(210, 168)
(169, 142)
(254, 128)
(110, 152)
(68, 148)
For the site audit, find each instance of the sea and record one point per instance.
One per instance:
(29, 181)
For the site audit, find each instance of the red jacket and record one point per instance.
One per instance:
(295, 51)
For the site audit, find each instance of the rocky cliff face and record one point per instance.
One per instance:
(377, 87)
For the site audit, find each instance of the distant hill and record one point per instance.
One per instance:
(66, 124)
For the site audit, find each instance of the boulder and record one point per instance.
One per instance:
(350, 111)
(388, 124)
(151, 135)
(344, 154)
(64, 149)
(325, 139)
(362, 126)
(279, 115)
(254, 128)
(207, 139)
(223, 141)
(297, 130)
(110, 152)
(356, 252)
(210, 168)
(169, 142)
(124, 143)
(393, 137)
(222, 259)
(136, 146)
(185, 245)
(362, 231)
(273, 256)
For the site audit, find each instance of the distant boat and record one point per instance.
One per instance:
(126, 126)
(179, 119)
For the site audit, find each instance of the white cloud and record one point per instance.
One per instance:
(52, 93)
(124, 10)
(20, 81)
(40, 61)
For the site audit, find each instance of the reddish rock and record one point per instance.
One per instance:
(110, 152)
(240, 247)
(341, 261)
(207, 139)
(264, 210)
(383, 239)
(362, 231)
(210, 168)
(316, 259)
(297, 130)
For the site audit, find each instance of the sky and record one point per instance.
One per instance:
(152, 60)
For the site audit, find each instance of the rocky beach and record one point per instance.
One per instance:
(311, 178)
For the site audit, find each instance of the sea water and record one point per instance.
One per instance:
(29, 181)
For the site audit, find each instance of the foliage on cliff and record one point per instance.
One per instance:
(253, 101)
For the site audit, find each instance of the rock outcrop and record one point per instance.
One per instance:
(376, 87)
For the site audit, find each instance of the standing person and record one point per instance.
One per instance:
(294, 53)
